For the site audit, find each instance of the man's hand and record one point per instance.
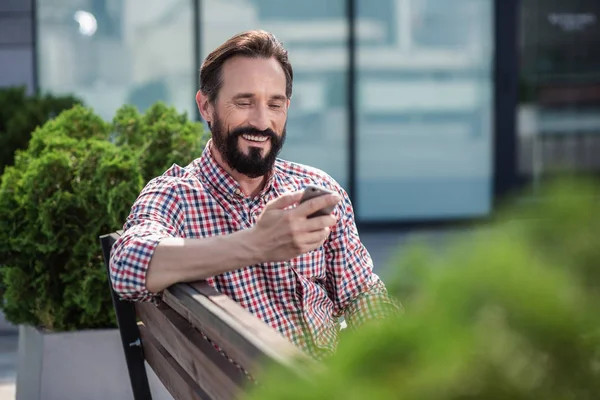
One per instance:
(282, 234)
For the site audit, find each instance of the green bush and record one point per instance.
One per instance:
(508, 311)
(20, 114)
(77, 180)
(159, 136)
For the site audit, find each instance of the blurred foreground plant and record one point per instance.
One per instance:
(77, 180)
(507, 312)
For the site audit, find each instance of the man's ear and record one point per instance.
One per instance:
(205, 107)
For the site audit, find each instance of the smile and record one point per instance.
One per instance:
(253, 138)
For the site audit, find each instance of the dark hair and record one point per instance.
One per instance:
(254, 44)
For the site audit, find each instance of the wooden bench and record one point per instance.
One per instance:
(168, 337)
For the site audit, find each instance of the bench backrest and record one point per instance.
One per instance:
(174, 338)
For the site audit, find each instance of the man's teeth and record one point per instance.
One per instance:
(255, 138)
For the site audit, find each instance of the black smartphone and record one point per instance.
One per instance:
(310, 192)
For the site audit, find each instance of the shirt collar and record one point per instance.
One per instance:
(223, 182)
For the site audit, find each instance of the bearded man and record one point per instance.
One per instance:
(233, 216)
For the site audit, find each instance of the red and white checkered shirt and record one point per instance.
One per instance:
(303, 298)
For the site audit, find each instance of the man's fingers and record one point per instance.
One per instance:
(285, 200)
(318, 223)
(317, 203)
(315, 239)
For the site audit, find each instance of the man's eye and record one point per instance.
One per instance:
(243, 104)
(276, 106)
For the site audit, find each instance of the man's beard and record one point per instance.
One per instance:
(254, 164)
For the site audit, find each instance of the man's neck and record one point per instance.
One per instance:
(249, 186)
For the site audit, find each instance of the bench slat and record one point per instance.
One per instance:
(249, 344)
(196, 356)
(268, 335)
(179, 384)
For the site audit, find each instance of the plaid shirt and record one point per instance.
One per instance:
(302, 298)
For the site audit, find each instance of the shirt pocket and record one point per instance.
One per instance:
(311, 265)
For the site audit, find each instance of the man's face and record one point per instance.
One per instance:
(248, 119)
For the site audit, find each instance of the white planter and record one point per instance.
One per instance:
(76, 365)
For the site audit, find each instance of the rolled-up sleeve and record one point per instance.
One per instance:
(357, 292)
(155, 215)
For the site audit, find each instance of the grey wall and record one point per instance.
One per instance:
(17, 50)
(16, 60)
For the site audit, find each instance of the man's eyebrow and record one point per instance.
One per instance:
(239, 96)
(280, 97)
(243, 96)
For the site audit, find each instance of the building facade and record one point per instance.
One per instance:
(424, 110)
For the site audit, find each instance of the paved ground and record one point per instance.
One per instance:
(381, 245)
(8, 364)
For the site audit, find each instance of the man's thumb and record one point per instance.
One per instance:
(285, 200)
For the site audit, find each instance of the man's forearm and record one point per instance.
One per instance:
(185, 260)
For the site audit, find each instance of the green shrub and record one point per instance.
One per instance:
(160, 136)
(77, 180)
(509, 311)
(20, 114)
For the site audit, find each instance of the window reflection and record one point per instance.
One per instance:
(112, 52)
(559, 110)
(425, 109)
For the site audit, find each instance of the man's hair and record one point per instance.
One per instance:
(253, 44)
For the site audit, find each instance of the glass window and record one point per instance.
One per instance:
(424, 88)
(315, 34)
(559, 98)
(112, 52)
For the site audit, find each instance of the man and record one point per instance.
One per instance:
(232, 216)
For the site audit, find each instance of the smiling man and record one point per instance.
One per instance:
(233, 218)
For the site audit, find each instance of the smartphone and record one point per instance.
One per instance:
(310, 192)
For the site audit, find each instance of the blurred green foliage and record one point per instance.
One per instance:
(21, 114)
(75, 181)
(509, 310)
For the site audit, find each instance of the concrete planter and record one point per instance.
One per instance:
(75, 365)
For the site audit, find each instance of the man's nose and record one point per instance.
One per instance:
(259, 118)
